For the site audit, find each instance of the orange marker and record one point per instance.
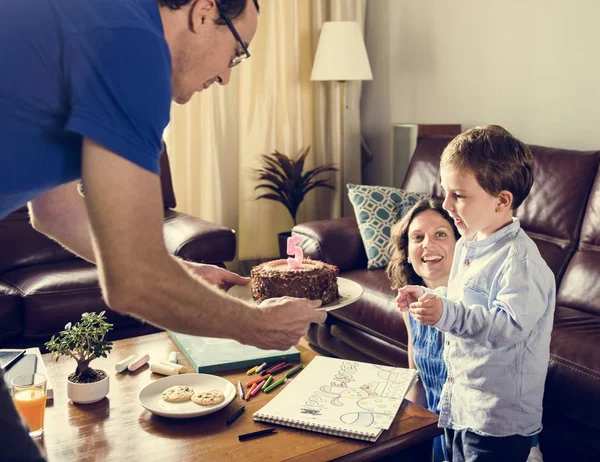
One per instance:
(260, 379)
(250, 392)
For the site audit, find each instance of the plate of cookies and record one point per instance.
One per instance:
(187, 395)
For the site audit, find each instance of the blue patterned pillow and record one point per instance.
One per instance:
(377, 208)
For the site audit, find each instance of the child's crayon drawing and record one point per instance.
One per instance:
(353, 397)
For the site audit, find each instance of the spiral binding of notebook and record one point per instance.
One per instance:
(358, 433)
(340, 397)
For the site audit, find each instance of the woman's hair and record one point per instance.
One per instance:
(399, 270)
(232, 8)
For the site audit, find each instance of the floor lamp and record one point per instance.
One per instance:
(341, 56)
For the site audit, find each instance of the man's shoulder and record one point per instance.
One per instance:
(94, 16)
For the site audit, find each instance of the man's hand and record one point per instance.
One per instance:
(282, 322)
(216, 275)
(408, 295)
(427, 310)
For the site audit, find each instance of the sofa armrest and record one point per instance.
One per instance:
(336, 241)
(198, 240)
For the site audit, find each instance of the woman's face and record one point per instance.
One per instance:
(431, 244)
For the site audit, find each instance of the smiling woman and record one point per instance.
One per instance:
(423, 248)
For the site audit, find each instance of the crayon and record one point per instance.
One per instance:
(257, 389)
(235, 415)
(293, 371)
(274, 385)
(258, 434)
(240, 390)
(249, 393)
(267, 383)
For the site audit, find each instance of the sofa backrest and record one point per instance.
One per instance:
(579, 288)
(553, 212)
(21, 245)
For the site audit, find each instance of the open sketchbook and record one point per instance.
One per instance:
(341, 397)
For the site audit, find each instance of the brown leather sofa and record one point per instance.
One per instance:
(43, 286)
(562, 215)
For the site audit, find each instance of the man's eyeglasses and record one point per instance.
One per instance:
(241, 55)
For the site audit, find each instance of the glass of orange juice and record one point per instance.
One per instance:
(29, 396)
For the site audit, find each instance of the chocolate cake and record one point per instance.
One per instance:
(314, 280)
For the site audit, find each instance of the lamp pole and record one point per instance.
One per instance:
(341, 56)
(342, 104)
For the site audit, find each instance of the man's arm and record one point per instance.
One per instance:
(138, 276)
(61, 215)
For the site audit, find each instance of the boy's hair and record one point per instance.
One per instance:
(499, 161)
(399, 270)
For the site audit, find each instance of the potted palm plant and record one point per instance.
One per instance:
(84, 342)
(284, 180)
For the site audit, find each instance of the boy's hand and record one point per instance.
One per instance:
(408, 295)
(427, 310)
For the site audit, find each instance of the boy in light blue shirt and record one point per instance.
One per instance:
(498, 309)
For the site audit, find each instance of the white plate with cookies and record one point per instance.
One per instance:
(187, 395)
(350, 291)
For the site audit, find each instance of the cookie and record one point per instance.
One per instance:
(208, 398)
(177, 394)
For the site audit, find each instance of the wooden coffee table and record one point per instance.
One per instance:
(119, 428)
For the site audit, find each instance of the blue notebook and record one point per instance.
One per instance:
(207, 354)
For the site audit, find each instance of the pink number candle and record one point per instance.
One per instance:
(293, 249)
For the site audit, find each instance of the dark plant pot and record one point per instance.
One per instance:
(283, 237)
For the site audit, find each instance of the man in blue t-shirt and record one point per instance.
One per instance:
(85, 93)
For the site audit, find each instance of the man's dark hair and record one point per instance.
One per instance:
(232, 8)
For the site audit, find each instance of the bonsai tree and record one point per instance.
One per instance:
(285, 181)
(84, 342)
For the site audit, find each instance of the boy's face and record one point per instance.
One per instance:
(474, 210)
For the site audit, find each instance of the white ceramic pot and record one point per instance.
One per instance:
(86, 393)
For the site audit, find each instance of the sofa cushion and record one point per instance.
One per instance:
(573, 383)
(58, 293)
(377, 208)
(24, 246)
(187, 237)
(580, 288)
(336, 242)
(11, 324)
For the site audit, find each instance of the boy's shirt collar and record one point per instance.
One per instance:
(508, 230)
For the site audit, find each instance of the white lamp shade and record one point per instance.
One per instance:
(341, 53)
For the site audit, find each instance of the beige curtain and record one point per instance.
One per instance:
(270, 103)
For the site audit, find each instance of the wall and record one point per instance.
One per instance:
(531, 66)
